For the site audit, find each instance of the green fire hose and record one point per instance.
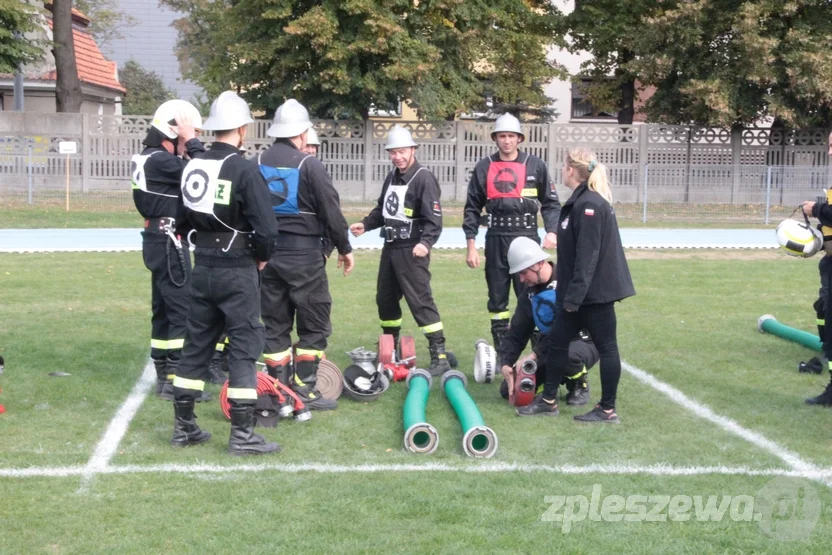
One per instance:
(478, 440)
(419, 436)
(768, 323)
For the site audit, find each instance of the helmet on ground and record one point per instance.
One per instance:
(798, 238)
(524, 253)
(361, 385)
(290, 120)
(312, 137)
(228, 111)
(165, 115)
(507, 123)
(399, 137)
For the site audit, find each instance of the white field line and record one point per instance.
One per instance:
(107, 446)
(703, 411)
(472, 468)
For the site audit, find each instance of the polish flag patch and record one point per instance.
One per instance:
(589, 212)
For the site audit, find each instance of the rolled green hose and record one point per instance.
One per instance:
(768, 323)
(478, 440)
(419, 436)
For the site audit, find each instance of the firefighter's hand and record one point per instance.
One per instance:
(347, 261)
(808, 206)
(357, 229)
(550, 241)
(508, 374)
(420, 251)
(184, 128)
(261, 265)
(473, 257)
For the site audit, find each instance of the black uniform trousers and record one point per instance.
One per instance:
(600, 321)
(826, 277)
(824, 269)
(497, 275)
(294, 284)
(582, 356)
(400, 274)
(170, 272)
(222, 299)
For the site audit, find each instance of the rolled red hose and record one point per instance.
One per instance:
(265, 385)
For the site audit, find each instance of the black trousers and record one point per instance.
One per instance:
(582, 355)
(170, 273)
(400, 274)
(600, 321)
(222, 299)
(824, 269)
(826, 279)
(294, 285)
(497, 276)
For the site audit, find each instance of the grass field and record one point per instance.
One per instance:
(710, 407)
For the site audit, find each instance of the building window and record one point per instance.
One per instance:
(582, 108)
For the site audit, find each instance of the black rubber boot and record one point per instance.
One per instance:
(577, 390)
(185, 430)
(243, 440)
(438, 357)
(282, 371)
(825, 398)
(218, 370)
(499, 328)
(304, 382)
(161, 365)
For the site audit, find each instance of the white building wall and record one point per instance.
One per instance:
(560, 90)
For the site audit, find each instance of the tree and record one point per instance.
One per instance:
(106, 20)
(728, 63)
(610, 30)
(145, 89)
(341, 58)
(68, 96)
(16, 19)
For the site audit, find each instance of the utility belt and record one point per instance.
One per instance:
(223, 240)
(401, 231)
(294, 241)
(518, 221)
(159, 226)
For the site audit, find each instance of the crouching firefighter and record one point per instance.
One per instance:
(512, 186)
(410, 217)
(226, 208)
(535, 313)
(295, 286)
(156, 175)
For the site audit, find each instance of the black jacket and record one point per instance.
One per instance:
(523, 325)
(163, 173)
(592, 268)
(249, 210)
(545, 199)
(421, 199)
(318, 202)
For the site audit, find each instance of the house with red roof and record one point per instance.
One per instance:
(100, 86)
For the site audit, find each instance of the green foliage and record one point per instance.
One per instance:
(145, 89)
(722, 62)
(16, 19)
(342, 58)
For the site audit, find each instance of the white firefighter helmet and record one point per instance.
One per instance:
(290, 120)
(798, 238)
(166, 113)
(228, 111)
(312, 137)
(507, 123)
(399, 137)
(523, 253)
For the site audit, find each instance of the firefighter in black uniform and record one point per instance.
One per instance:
(823, 212)
(592, 275)
(536, 311)
(512, 186)
(410, 217)
(226, 209)
(156, 175)
(295, 285)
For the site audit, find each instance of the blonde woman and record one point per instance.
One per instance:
(592, 275)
